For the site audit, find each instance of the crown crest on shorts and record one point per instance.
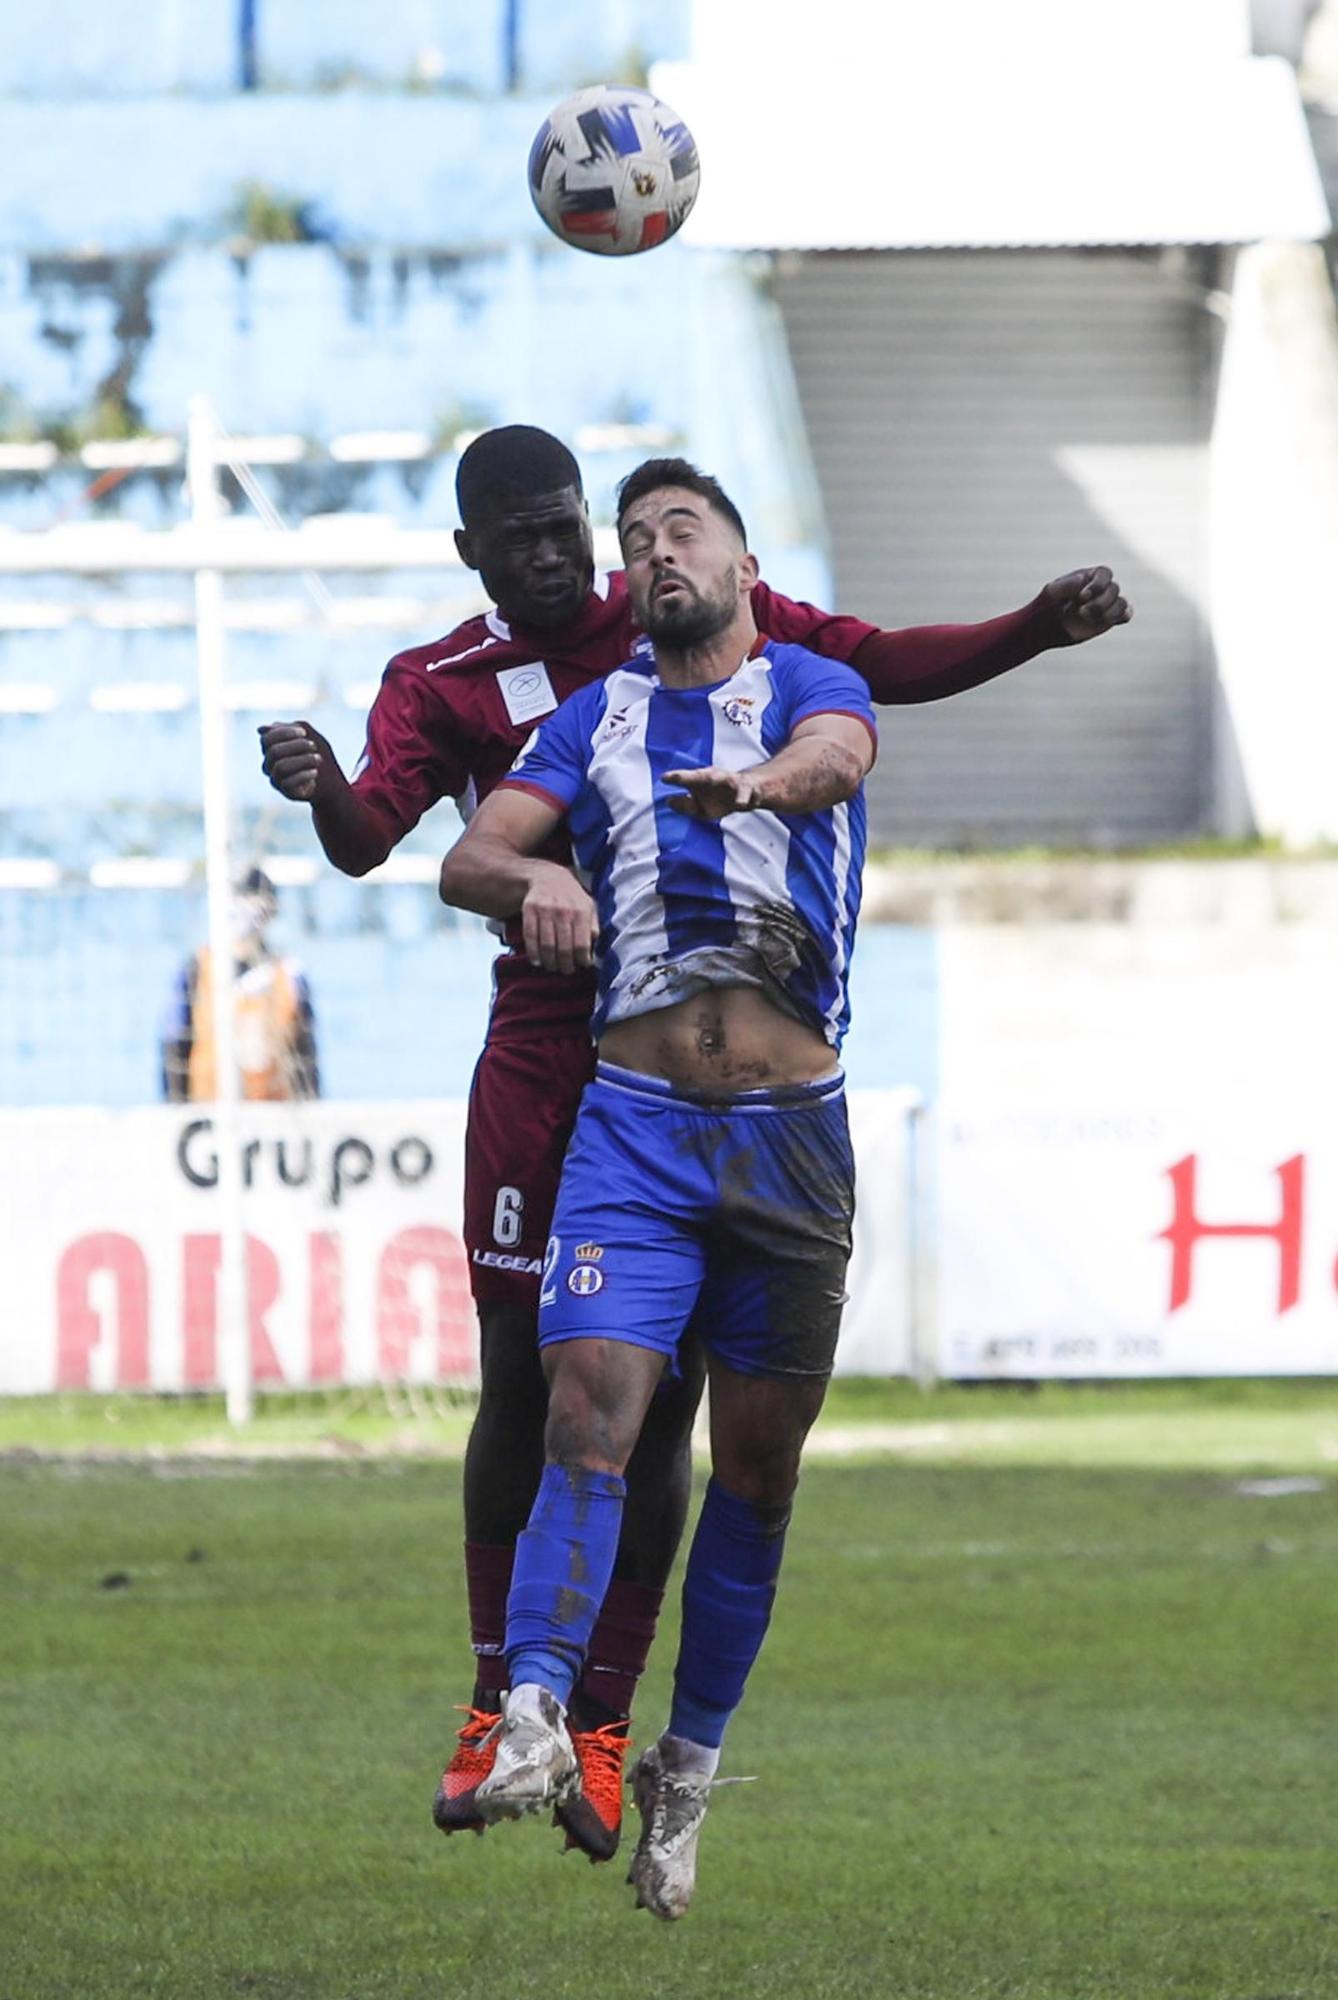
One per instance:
(588, 1253)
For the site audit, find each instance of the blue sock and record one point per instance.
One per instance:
(728, 1592)
(564, 1560)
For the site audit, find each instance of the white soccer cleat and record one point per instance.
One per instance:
(535, 1765)
(672, 1805)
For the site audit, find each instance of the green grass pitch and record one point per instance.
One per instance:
(1024, 1730)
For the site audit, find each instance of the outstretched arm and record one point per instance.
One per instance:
(930, 662)
(494, 869)
(822, 765)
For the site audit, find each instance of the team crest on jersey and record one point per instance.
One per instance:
(588, 1253)
(585, 1281)
(739, 710)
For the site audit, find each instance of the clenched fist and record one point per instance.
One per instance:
(1087, 602)
(298, 761)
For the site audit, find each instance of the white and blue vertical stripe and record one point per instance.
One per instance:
(667, 887)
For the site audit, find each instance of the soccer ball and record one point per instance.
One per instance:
(613, 170)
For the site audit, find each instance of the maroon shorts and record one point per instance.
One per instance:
(522, 1107)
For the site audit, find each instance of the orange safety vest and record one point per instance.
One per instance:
(267, 1018)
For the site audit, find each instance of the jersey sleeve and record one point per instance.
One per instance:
(931, 662)
(792, 623)
(554, 763)
(814, 686)
(412, 756)
(921, 663)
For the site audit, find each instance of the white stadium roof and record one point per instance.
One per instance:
(917, 157)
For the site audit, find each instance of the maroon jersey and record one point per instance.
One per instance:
(450, 718)
(447, 723)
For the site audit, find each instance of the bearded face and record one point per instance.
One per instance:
(684, 567)
(682, 612)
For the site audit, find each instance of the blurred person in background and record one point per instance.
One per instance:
(276, 1027)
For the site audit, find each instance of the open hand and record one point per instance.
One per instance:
(1087, 602)
(297, 760)
(712, 793)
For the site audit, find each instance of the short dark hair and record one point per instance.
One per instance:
(658, 472)
(509, 466)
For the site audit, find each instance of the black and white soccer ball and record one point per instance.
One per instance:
(613, 170)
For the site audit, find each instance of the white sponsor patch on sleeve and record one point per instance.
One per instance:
(527, 691)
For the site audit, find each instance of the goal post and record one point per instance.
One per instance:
(210, 666)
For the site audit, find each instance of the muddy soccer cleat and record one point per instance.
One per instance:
(453, 1808)
(534, 1764)
(672, 1805)
(592, 1818)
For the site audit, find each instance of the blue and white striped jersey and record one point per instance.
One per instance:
(759, 898)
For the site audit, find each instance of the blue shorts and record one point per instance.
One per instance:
(732, 1212)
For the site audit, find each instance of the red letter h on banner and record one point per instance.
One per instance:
(1185, 1230)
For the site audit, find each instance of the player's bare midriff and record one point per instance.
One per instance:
(728, 1038)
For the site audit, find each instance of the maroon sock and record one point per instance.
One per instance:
(619, 1646)
(488, 1580)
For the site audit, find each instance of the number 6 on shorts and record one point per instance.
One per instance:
(508, 1217)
